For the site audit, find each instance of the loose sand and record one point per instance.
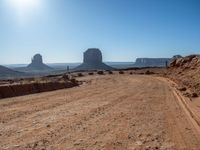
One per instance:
(121, 112)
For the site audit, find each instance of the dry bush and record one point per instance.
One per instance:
(183, 89)
(91, 73)
(194, 95)
(149, 72)
(74, 81)
(100, 72)
(110, 72)
(80, 75)
(65, 77)
(121, 72)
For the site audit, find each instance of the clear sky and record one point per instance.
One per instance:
(61, 30)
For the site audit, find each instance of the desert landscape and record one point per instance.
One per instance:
(99, 75)
(136, 109)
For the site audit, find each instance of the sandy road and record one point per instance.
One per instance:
(108, 112)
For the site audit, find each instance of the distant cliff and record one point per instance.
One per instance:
(151, 62)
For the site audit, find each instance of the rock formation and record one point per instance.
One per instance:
(186, 72)
(151, 62)
(93, 61)
(37, 64)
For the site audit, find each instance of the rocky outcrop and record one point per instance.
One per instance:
(151, 62)
(37, 64)
(93, 61)
(184, 62)
(186, 72)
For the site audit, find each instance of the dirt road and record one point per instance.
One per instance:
(108, 112)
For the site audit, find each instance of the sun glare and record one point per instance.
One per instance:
(22, 6)
(24, 10)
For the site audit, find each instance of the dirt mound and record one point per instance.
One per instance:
(186, 71)
(31, 88)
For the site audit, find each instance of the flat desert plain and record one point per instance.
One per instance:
(122, 112)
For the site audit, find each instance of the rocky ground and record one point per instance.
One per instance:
(120, 111)
(186, 72)
(133, 109)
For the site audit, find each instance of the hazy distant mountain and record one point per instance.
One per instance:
(6, 72)
(63, 66)
(120, 65)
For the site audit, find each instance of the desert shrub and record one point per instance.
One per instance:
(194, 95)
(183, 89)
(131, 73)
(65, 77)
(80, 74)
(149, 72)
(100, 72)
(121, 72)
(110, 72)
(11, 81)
(74, 81)
(91, 73)
(187, 94)
(52, 75)
(141, 73)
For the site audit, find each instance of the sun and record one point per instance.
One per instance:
(24, 5)
(24, 10)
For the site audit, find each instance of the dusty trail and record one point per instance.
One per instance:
(109, 112)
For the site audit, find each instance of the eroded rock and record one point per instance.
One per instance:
(37, 63)
(93, 61)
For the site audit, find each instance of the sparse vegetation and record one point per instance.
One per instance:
(110, 72)
(183, 89)
(91, 73)
(149, 72)
(100, 72)
(121, 72)
(194, 95)
(65, 77)
(74, 81)
(80, 74)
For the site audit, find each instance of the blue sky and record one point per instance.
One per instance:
(61, 30)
